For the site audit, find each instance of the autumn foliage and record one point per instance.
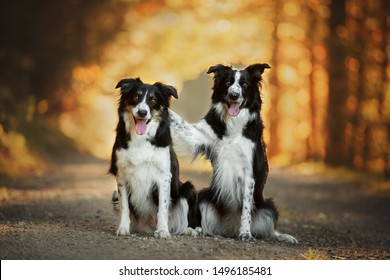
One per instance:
(326, 98)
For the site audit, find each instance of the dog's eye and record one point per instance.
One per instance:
(153, 101)
(245, 85)
(135, 98)
(228, 83)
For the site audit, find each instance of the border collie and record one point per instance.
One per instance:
(150, 196)
(231, 137)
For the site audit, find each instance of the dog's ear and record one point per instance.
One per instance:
(256, 70)
(168, 90)
(126, 85)
(217, 69)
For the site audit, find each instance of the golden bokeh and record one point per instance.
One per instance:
(326, 97)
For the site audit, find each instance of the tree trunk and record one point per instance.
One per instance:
(336, 122)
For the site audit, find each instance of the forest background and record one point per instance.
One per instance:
(326, 97)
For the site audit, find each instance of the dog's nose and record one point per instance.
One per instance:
(142, 113)
(234, 96)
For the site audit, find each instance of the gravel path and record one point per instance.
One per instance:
(66, 214)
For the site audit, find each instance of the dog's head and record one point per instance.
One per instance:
(236, 89)
(144, 102)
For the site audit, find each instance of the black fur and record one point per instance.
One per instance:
(129, 88)
(231, 137)
(223, 78)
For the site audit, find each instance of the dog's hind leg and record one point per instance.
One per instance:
(284, 237)
(264, 222)
(211, 223)
(178, 221)
(187, 191)
(190, 199)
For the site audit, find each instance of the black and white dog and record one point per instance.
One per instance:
(150, 196)
(231, 137)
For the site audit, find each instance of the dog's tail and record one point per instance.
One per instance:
(187, 191)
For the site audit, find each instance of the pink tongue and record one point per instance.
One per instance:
(140, 127)
(234, 109)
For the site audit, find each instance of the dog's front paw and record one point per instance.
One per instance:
(246, 237)
(162, 234)
(123, 230)
(199, 230)
(193, 232)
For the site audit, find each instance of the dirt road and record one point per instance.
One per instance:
(66, 214)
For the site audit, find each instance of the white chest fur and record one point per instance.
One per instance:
(233, 154)
(233, 169)
(140, 167)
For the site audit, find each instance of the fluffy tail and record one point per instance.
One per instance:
(188, 191)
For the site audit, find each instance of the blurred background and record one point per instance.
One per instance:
(326, 97)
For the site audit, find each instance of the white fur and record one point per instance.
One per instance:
(236, 87)
(211, 224)
(124, 225)
(178, 221)
(234, 153)
(140, 167)
(233, 176)
(263, 224)
(190, 136)
(232, 171)
(142, 106)
(214, 226)
(164, 205)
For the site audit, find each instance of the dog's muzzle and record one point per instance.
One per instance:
(234, 101)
